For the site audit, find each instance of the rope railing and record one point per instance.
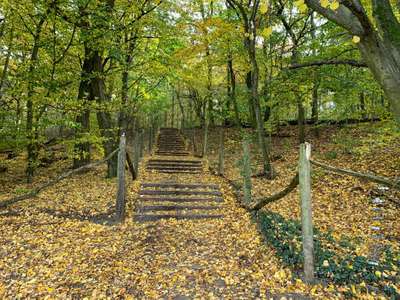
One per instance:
(302, 178)
(375, 178)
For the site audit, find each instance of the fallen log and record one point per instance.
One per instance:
(37, 190)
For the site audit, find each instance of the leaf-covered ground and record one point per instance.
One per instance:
(52, 246)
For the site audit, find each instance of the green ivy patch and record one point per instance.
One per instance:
(342, 269)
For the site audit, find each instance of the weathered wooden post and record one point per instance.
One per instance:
(221, 152)
(141, 142)
(194, 140)
(246, 172)
(120, 205)
(205, 132)
(136, 152)
(306, 211)
(150, 139)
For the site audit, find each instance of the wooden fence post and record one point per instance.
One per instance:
(306, 211)
(136, 152)
(141, 141)
(246, 172)
(120, 205)
(221, 152)
(150, 139)
(205, 132)
(194, 140)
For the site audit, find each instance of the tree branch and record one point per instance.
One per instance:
(349, 62)
(342, 16)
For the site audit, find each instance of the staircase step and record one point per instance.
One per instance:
(176, 165)
(172, 154)
(174, 161)
(179, 192)
(180, 200)
(179, 185)
(175, 168)
(148, 218)
(176, 171)
(176, 207)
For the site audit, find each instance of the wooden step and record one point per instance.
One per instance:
(179, 185)
(175, 207)
(177, 171)
(179, 192)
(172, 154)
(176, 161)
(175, 168)
(180, 200)
(149, 218)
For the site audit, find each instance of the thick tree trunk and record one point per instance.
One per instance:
(104, 119)
(379, 41)
(82, 148)
(385, 67)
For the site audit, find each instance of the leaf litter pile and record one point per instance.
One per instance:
(54, 247)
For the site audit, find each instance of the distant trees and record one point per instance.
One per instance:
(100, 68)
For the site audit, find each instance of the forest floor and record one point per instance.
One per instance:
(52, 246)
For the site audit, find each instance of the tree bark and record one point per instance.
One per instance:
(4, 73)
(379, 45)
(232, 89)
(30, 134)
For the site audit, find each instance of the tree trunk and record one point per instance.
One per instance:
(267, 168)
(82, 148)
(315, 100)
(385, 68)
(252, 113)
(4, 74)
(379, 42)
(30, 134)
(232, 90)
(362, 105)
(104, 119)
